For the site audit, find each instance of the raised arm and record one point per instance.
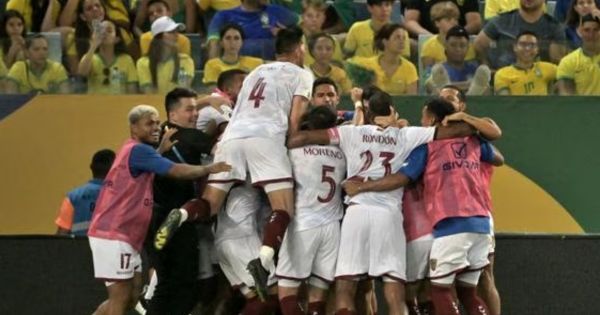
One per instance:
(485, 126)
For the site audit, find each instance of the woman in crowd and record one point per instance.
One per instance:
(321, 48)
(12, 37)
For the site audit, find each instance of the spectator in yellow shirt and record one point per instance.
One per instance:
(109, 69)
(321, 47)
(12, 37)
(231, 40)
(313, 19)
(526, 76)
(164, 68)
(578, 73)
(3, 72)
(359, 41)
(37, 73)
(445, 16)
(394, 74)
(156, 9)
(34, 12)
(495, 7)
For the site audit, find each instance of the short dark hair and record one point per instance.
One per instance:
(165, 3)
(385, 33)
(231, 26)
(226, 78)
(320, 117)
(368, 91)
(33, 37)
(589, 18)
(288, 39)
(523, 33)
(172, 98)
(439, 108)
(312, 41)
(378, 2)
(379, 104)
(457, 31)
(461, 94)
(324, 81)
(101, 163)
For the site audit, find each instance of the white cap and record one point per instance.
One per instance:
(165, 24)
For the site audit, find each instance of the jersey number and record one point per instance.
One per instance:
(256, 94)
(125, 260)
(326, 178)
(385, 156)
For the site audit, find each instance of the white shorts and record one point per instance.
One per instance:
(455, 253)
(372, 244)
(417, 258)
(493, 242)
(114, 260)
(309, 253)
(266, 160)
(234, 256)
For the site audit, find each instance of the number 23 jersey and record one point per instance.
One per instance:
(264, 103)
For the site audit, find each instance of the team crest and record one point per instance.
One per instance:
(432, 264)
(264, 19)
(459, 149)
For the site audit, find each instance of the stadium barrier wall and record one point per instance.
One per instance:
(535, 274)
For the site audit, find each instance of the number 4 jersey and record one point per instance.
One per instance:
(318, 172)
(373, 152)
(265, 100)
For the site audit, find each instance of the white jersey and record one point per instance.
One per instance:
(373, 152)
(208, 113)
(242, 214)
(318, 172)
(264, 103)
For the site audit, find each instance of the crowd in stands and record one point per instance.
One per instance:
(504, 47)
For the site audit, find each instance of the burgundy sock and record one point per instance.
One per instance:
(275, 229)
(413, 308)
(345, 311)
(273, 303)
(316, 308)
(254, 306)
(426, 308)
(443, 301)
(197, 209)
(473, 304)
(289, 305)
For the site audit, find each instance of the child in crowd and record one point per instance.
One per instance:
(12, 37)
(313, 17)
(321, 47)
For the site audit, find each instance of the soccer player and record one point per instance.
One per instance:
(372, 239)
(269, 107)
(124, 208)
(578, 72)
(77, 207)
(526, 76)
(310, 246)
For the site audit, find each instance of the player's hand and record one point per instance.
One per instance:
(166, 144)
(401, 123)
(356, 94)
(459, 116)
(352, 187)
(218, 167)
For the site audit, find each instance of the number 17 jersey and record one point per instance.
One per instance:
(264, 103)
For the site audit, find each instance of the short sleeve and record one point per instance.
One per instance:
(215, 25)
(491, 28)
(185, 47)
(558, 34)
(487, 151)
(65, 215)
(413, 137)
(500, 80)
(415, 163)
(285, 16)
(17, 73)
(566, 68)
(143, 158)
(350, 43)
(304, 84)
(411, 72)
(145, 40)
(130, 70)
(211, 72)
(491, 9)
(59, 74)
(143, 72)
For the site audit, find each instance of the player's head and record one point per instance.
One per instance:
(101, 163)
(454, 95)
(526, 47)
(289, 46)
(230, 82)
(589, 30)
(435, 110)
(181, 107)
(325, 93)
(144, 124)
(457, 43)
(319, 117)
(380, 104)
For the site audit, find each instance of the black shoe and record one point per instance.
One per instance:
(167, 229)
(260, 276)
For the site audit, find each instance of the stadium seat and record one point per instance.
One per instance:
(54, 46)
(197, 51)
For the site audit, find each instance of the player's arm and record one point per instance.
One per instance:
(302, 138)
(498, 158)
(187, 171)
(485, 126)
(387, 183)
(299, 106)
(359, 109)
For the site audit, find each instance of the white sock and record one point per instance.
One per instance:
(151, 287)
(184, 216)
(266, 255)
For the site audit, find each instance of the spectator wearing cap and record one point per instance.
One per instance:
(468, 76)
(77, 207)
(164, 68)
(578, 9)
(417, 18)
(445, 16)
(579, 73)
(181, 11)
(504, 28)
(156, 9)
(260, 22)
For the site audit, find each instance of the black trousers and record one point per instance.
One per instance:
(176, 266)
